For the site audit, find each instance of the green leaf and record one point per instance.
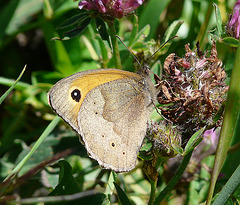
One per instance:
(96, 199)
(110, 185)
(77, 31)
(172, 30)
(23, 14)
(43, 152)
(12, 87)
(178, 149)
(144, 31)
(146, 147)
(139, 46)
(6, 16)
(194, 141)
(46, 132)
(61, 6)
(57, 50)
(230, 41)
(48, 9)
(134, 30)
(104, 52)
(218, 19)
(157, 69)
(74, 20)
(102, 30)
(122, 195)
(67, 183)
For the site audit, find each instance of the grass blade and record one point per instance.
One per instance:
(229, 188)
(11, 88)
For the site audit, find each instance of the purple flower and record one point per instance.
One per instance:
(208, 146)
(233, 25)
(111, 8)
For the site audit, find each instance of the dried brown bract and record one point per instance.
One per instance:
(193, 90)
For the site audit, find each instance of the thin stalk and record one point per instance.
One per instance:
(153, 191)
(2, 98)
(153, 181)
(231, 114)
(174, 180)
(114, 40)
(229, 188)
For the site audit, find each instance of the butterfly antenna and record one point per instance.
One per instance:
(129, 51)
(161, 47)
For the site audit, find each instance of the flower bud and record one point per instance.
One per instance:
(233, 25)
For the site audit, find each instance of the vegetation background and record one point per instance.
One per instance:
(26, 31)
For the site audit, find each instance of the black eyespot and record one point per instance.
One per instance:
(124, 153)
(76, 95)
(113, 144)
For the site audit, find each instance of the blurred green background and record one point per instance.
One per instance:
(26, 30)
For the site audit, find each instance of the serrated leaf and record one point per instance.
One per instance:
(230, 41)
(218, 19)
(77, 31)
(122, 195)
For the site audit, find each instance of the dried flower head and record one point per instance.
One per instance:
(194, 89)
(233, 25)
(164, 137)
(112, 9)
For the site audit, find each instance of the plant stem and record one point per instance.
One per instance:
(228, 188)
(174, 180)
(229, 125)
(153, 191)
(116, 54)
(153, 180)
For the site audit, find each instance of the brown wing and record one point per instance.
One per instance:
(113, 122)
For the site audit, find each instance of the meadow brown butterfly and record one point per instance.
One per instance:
(109, 109)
